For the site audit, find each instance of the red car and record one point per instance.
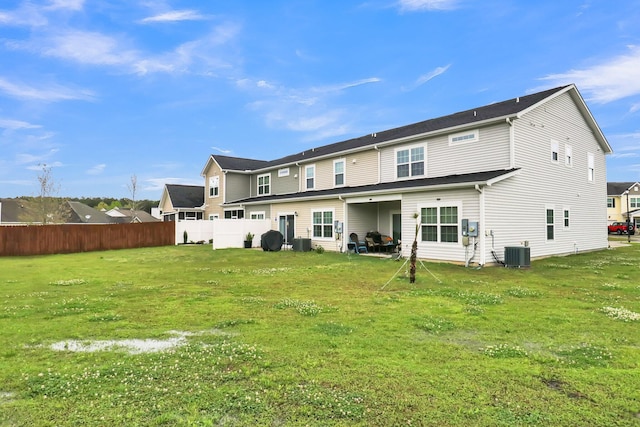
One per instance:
(620, 228)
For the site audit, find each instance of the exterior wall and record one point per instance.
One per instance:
(266, 209)
(516, 208)
(468, 208)
(166, 206)
(212, 204)
(362, 168)
(237, 186)
(615, 213)
(303, 221)
(285, 184)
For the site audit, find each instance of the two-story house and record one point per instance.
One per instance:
(526, 171)
(623, 202)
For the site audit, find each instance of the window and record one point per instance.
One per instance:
(611, 202)
(463, 137)
(310, 176)
(410, 162)
(213, 216)
(234, 214)
(256, 215)
(590, 167)
(338, 173)
(264, 186)
(634, 202)
(550, 226)
(189, 216)
(566, 218)
(439, 224)
(214, 186)
(322, 224)
(555, 148)
(568, 155)
(283, 172)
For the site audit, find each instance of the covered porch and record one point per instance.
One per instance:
(377, 221)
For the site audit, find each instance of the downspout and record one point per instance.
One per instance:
(512, 144)
(375, 147)
(344, 223)
(481, 226)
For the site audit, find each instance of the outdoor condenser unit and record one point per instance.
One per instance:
(517, 256)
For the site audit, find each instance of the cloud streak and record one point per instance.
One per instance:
(174, 16)
(426, 5)
(609, 81)
(51, 93)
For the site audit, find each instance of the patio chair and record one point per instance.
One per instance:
(372, 245)
(356, 245)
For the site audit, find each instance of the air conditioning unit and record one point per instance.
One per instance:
(517, 256)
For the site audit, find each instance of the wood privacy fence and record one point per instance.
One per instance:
(69, 238)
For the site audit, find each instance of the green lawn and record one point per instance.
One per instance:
(288, 338)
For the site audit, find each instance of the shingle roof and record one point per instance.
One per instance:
(10, 211)
(238, 163)
(618, 188)
(81, 213)
(497, 110)
(186, 196)
(451, 180)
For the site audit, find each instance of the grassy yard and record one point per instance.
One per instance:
(189, 336)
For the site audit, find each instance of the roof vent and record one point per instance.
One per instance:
(517, 100)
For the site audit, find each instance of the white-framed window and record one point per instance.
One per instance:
(634, 202)
(568, 155)
(550, 222)
(591, 169)
(611, 202)
(565, 218)
(257, 215)
(410, 162)
(310, 177)
(189, 215)
(339, 173)
(264, 184)
(439, 224)
(322, 224)
(234, 214)
(464, 137)
(555, 151)
(214, 186)
(213, 216)
(283, 172)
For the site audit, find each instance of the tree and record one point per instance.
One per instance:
(414, 254)
(133, 188)
(49, 209)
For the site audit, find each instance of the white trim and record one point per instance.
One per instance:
(438, 206)
(554, 146)
(214, 182)
(333, 217)
(568, 155)
(565, 219)
(591, 170)
(282, 172)
(263, 185)
(409, 148)
(256, 214)
(466, 137)
(546, 224)
(307, 177)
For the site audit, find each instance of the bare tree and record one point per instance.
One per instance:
(414, 254)
(48, 209)
(133, 188)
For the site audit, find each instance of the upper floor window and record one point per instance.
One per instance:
(283, 172)
(439, 224)
(264, 184)
(568, 155)
(566, 218)
(310, 177)
(611, 202)
(338, 173)
(410, 162)
(634, 202)
(555, 149)
(214, 186)
(591, 171)
(463, 137)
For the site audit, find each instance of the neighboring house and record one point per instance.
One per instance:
(526, 171)
(182, 202)
(124, 216)
(15, 212)
(623, 201)
(79, 213)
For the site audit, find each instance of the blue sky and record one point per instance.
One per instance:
(103, 90)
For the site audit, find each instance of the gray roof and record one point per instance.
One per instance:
(506, 108)
(618, 188)
(11, 210)
(83, 214)
(421, 183)
(186, 196)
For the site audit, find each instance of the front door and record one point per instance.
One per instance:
(287, 227)
(396, 227)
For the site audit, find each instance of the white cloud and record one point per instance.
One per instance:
(420, 5)
(427, 77)
(157, 184)
(342, 86)
(97, 169)
(611, 80)
(175, 15)
(10, 124)
(66, 4)
(23, 158)
(221, 150)
(51, 93)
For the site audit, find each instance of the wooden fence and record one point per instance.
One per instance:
(69, 238)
